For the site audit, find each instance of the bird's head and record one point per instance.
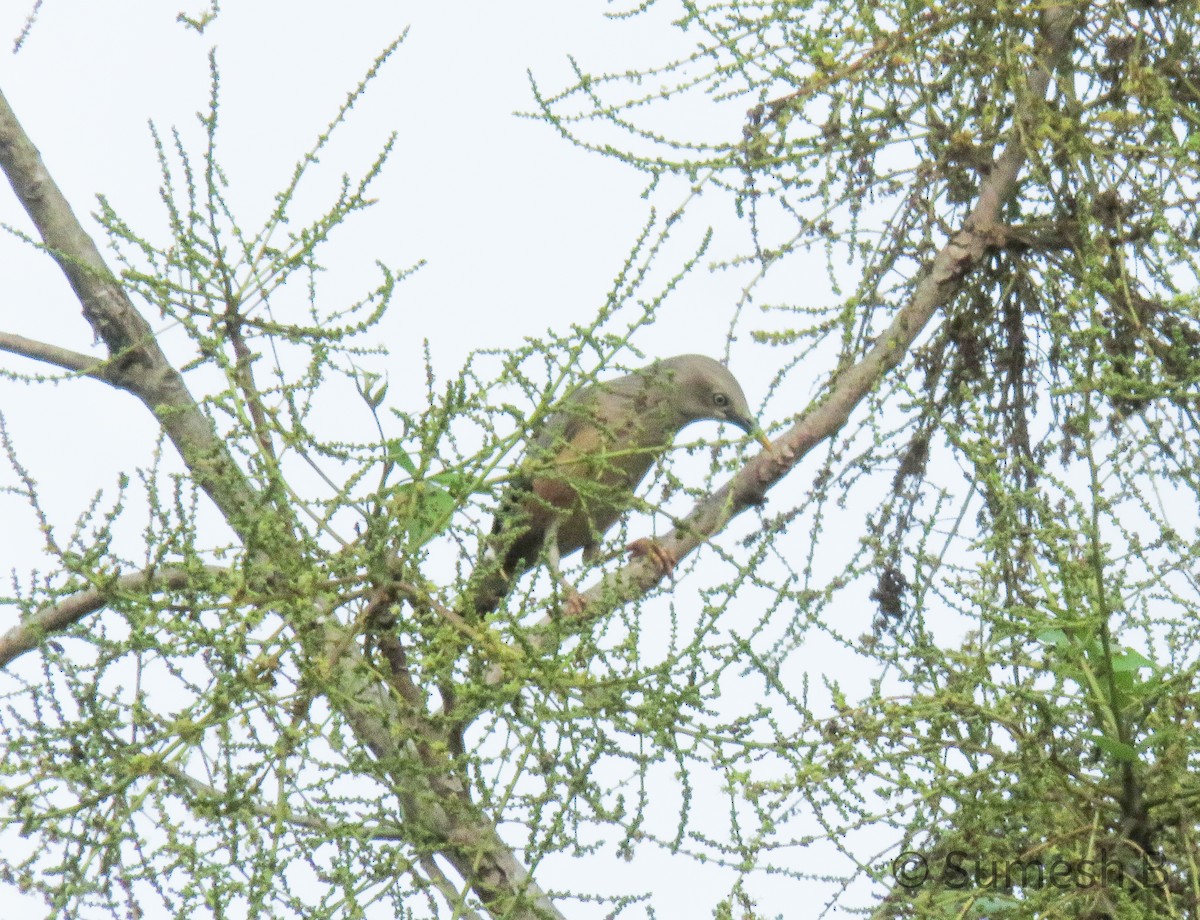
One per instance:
(701, 388)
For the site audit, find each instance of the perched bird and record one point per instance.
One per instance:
(580, 472)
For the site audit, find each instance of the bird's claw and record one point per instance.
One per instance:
(573, 604)
(662, 557)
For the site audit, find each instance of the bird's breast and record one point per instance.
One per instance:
(592, 490)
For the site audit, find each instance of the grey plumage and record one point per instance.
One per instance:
(580, 472)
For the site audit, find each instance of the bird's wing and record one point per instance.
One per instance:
(528, 504)
(564, 456)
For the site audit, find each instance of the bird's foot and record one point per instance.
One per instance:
(662, 557)
(573, 603)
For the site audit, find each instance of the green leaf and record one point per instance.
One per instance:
(1055, 637)
(1131, 660)
(398, 455)
(453, 480)
(426, 510)
(1120, 751)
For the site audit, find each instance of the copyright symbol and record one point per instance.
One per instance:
(910, 870)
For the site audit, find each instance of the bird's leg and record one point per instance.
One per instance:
(662, 557)
(574, 601)
(553, 556)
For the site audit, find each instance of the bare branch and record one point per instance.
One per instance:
(74, 361)
(57, 617)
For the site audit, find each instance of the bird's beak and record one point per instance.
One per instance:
(750, 426)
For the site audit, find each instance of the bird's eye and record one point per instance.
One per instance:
(720, 400)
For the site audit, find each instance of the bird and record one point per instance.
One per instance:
(581, 471)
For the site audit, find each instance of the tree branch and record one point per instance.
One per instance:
(319, 825)
(437, 804)
(74, 361)
(439, 808)
(136, 363)
(31, 632)
(981, 232)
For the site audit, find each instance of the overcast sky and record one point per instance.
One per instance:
(519, 231)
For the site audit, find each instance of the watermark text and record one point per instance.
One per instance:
(960, 869)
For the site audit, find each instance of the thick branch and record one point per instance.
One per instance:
(57, 617)
(982, 231)
(437, 804)
(439, 810)
(136, 363)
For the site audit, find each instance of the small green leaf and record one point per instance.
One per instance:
(425, 508)
(453, 480)
(1055, 637)
(1131, 660)
(398, 455)
(1117, 749)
